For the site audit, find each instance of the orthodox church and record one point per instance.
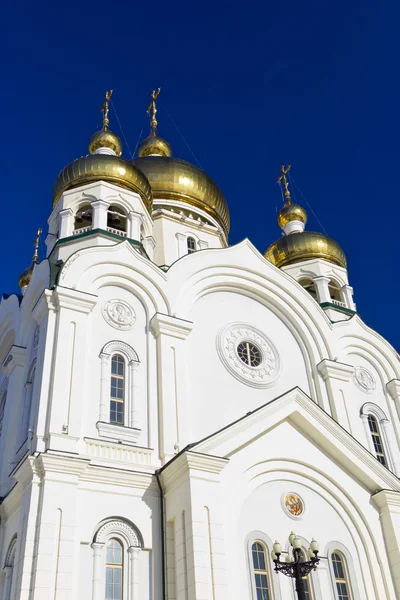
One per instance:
(180, 418)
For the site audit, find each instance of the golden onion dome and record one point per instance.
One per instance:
(154, 145)
(305, 245)
(174, 179)
(105, 139)
(25, 277)
(291, 212)
(103, 167)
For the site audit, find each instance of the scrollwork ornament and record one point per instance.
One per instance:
(262, 375)
(364, 380)
(119, 314)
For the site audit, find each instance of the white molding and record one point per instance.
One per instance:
(172, 326)
(351, 574)
(118, 432)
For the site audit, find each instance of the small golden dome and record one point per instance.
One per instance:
(291, 212)
(305, 245)
(103, 167)
(25, 277)
(105, 139)
(175, 179)
(154, 145)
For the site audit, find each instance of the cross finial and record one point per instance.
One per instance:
(153, 109)
(36, 245)
(105, 110)
(282, 178)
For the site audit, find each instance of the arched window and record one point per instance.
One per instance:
(377, 439)
(27, 404)
(260, 571)
(341, 577)
(9, 569)
(116, 220)
(117, 395)
(334, 291)
(114, 570)
(307, 585)
(191, 245)
(119, 407)
(83, 217)
(116, 547)
(3, 400)
(309, 286)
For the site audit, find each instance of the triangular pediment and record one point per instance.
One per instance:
(300, 411)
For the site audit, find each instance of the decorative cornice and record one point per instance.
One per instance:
(335, 370)
(75, 300)
(191, 464)
(386, 498)
(393, 388)
(172, 326)
(15, 358)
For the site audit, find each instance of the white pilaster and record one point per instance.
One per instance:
(135, 222)
(346, 292)
(133, 572)
(100, 208)
(149, 245)
(182, 244)
(132, 401)
(171, 334)
(97, 590)
(104, 387)
(66, 217)
(322, 289)
(388, 503)
(202, 244)
(336, 375)
(7, 582)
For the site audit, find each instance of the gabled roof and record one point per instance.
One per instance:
(319, 427)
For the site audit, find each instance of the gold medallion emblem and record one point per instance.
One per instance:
(294, 504)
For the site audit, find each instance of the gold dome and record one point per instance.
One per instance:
(103, 167)
(154, 145)
(105, 139)
(25, 277)
(175, 179)
(291, 212)
(305, 245)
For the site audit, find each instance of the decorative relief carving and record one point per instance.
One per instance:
(364, 380)
(119, 314)
(293, 504)
(36, 336)
(118, 527)
(228, 341)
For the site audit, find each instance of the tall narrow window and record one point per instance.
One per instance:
(114, 570)
(117, 390)
(263, 589)
(377, 440)
(191, 245)
(340, 574)
(2, 408)
(306, 580)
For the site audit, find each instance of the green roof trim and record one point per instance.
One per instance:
(343, 309)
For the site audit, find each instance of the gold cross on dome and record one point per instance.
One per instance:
(152, 107)
(104, 109)
(282, 178)
(36, 245)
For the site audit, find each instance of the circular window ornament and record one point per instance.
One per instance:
(293, 505)
(119, 314)
(364, 380)
(248, 354)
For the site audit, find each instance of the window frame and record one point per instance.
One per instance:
(115, 566)
(130, 430)
(123, 401)
(262, 538)
(370, 409)
(338, 547)
(346, 578)
(194, 249)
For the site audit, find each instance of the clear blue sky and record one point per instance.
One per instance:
(250, 86)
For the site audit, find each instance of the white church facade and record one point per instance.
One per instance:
(170, 405)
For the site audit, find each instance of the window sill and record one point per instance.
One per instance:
(118, 432)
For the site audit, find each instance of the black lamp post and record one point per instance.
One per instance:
(295, 567)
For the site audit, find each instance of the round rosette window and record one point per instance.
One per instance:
(248, 354)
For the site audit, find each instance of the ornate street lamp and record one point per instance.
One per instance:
(295, 566)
